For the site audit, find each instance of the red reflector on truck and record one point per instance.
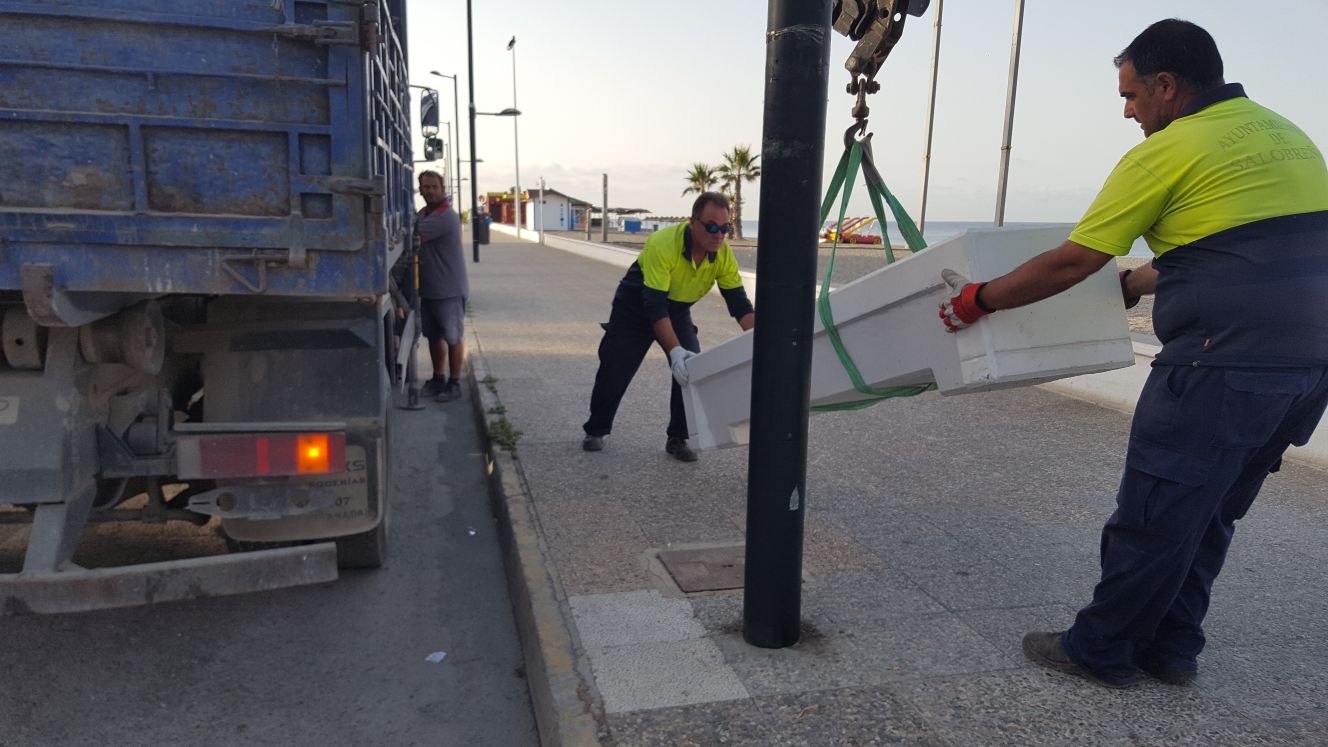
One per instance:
(255, 455)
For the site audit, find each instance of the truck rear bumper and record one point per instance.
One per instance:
(83, 590)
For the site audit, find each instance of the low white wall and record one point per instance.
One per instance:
(1118, 390)
(614, 255)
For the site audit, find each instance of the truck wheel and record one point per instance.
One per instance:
(363, 550)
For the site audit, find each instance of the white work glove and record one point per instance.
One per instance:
(963, 309)
(678, 363)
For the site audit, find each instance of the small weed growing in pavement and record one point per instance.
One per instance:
(502, 433)
(497, 410)
(489, 383)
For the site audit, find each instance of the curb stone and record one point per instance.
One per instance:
(568, 710)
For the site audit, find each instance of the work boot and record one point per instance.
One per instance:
(433, 387)
(593, 443)
(1170, 672)
(450, 392)
(677, 447)
(1046, 650)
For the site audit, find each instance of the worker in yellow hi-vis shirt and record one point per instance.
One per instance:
(678, 266)
(1233, 200)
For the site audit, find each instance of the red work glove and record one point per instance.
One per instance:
(964, 309)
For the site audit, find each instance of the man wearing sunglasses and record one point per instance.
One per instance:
(678, 266)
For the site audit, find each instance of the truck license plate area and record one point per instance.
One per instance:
(220, 456)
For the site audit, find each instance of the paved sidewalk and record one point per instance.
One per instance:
(938, 531)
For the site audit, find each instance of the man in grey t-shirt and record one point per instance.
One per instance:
(443, 286)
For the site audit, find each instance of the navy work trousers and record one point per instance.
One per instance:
(1202, 441)
(627, 338)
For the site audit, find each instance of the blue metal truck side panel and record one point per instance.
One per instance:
(203, 146)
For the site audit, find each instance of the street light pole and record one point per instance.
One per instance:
(796, 72)
(474, 196)
(516, 145)
(456, 114)
(447, 163)
(1008, 135)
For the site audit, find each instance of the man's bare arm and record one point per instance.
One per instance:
(665, 334)
(1043, 276)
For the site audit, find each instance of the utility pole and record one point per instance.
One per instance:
(931, 115)
(1008, 135)
(539, 215)
(474, 195)
(604, 217)
(793, 147)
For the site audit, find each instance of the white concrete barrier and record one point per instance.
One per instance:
(1119, 390)
(888, 322)
(614, 255)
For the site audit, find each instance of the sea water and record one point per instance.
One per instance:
(940, 230)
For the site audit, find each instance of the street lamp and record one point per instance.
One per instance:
(516, 142)
(456, 113)
(516, 198)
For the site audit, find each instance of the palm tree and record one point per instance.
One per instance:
(700, 179)
(739, 166)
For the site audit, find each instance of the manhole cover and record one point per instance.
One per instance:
(705, 569)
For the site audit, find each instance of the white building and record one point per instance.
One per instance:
(554, 211)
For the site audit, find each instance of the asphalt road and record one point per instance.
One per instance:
(342, 663)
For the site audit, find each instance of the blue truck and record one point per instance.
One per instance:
(200, 205)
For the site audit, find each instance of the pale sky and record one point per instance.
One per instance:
(642, 90)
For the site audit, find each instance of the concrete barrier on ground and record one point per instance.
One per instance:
(614, 255)
(1118, 389)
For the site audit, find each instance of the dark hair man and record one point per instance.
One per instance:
(678, 266)
(444, 286)
(1233, 200)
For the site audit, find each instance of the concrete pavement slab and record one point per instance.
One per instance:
(658, 675)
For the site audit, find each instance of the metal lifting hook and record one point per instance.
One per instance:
(876, 26)
(857, 133)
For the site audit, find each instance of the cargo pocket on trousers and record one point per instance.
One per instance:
(1254, 406)
(1159, 491)
(1168, 464)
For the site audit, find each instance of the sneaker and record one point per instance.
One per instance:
(593, 443)
(450, 392)
(434, 386)
(677, 447)
(1172, 673)
(1045, 650)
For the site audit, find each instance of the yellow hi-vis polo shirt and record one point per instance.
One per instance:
(666, 265)
(1221, 165)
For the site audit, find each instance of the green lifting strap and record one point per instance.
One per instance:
(859, 156)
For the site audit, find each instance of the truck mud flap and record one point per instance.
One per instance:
(195, 578)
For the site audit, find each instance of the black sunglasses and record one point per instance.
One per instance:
(713, 228)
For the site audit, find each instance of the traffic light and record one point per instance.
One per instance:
(433, 148)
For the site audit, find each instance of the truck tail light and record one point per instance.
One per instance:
(259, 455)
